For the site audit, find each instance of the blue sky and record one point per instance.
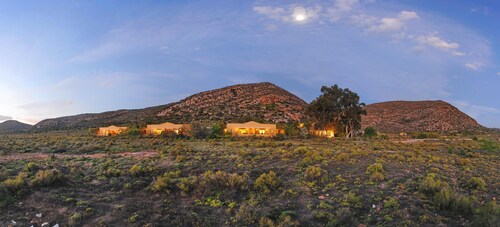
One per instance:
(70, 57)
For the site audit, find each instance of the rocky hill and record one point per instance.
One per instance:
(264, 101)
(85, 121)
(418, 116)
(12, 126)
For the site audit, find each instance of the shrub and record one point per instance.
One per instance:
(490, 145)
(16, 183)
(5, 198)
(476, 183)
(134, 132)
(447, 199)
(267, 182)
(376, 170)
(351, 200)
(370, 132)
(223, 180)
(31, 167)
(47, 177)
(431, 185)
(166, 182)
(137, 170)
(487, 215)
(391, 203)
(313, 173)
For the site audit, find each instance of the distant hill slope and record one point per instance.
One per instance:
(422, 116)
(258, 101)
(84, 121)
(264, 101)
(12, 126)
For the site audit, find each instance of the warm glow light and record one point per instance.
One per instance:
(300, 17)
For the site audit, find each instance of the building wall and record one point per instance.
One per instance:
(166, 127)
(251, 129)
(112, 130)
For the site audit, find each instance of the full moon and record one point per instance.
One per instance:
(300, 17)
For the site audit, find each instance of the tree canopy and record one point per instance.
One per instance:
(337, 108)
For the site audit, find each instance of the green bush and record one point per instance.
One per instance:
(222, 180)
(370, 132)
(490, 145)
(391, 203)
(313, 173)
(17, 183)
(137, 170)
(166, 182)
(431, 185)
(487, 215)
(447, 199)
(351, 200)
(5, 197)
(47, 177)
(476, 183)
(376, 171)
(267, 182)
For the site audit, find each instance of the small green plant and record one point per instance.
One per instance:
(351, 200)
(5, 197)
(47, 177)
(490, 145)
(370, 132)
(476, 183)
(16, 183)
(487, 215)
(137, 170)
(431, 185)
(376, 171)
(166, 182)
(267, 182)
(447, 199)
(75, 218)
(392, 203)
(313, 173)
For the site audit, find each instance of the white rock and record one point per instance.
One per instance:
(46, 224)
(56, 225)
(14, 222)
(39, 215)
(374, 206)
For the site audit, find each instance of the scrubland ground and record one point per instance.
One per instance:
(81, 180)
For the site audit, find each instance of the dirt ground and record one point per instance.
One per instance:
(41, 156)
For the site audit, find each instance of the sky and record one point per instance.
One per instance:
(69, 57)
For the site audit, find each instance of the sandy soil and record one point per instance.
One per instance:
(38, 156)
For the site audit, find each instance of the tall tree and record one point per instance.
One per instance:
(337, 108)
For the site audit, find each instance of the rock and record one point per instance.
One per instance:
(56, 225)
(39, 215)
(46, 224)
(321, 197)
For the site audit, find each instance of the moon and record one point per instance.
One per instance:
(300, 17)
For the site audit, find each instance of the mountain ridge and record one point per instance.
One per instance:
(13, 126)
(421, 116)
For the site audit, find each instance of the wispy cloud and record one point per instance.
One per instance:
(297, 14)
(433, 40)
(393, 23)
(474, 65)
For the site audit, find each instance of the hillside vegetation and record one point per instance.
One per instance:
(418, 116)
(259, 182)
